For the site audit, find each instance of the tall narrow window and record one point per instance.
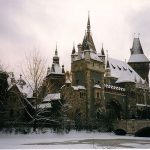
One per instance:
(97, 94)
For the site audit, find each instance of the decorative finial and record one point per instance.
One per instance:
(20, 76)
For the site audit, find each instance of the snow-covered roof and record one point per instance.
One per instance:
(94, 56)
(25, 90)
(79, 87)
(125, 77)
(68, 81)
(97, 86)
(50, 97)
(45, 105)
(142, 105)
(56, 70)
(138, 58)
(122, 71)
(21, 85)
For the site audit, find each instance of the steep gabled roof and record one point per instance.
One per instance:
(122, 71)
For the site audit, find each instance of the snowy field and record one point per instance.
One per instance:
(71, 140)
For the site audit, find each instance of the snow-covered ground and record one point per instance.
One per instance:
(71, 140)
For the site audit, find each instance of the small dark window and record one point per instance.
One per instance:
(77, 82)
(82, 94)
(97, 94)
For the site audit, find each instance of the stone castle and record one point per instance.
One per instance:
(99, 83)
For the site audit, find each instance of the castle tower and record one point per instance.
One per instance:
(102, 54)
(55, 75)
(138, 61)
(88, 71)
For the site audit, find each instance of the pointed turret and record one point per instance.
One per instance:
(102, 55)
(138, 61)
(56, 58)
(102, 50)
(63, 70)
(73, 50)
(107, 64)
(136, 47)
(88, 40)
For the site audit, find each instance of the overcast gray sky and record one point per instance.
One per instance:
(29, 24)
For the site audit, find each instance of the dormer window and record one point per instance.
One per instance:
(124, 69)
(113, 66)
(130, 70)
(118, 67)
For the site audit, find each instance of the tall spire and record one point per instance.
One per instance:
(56, 52)
(88, 42)
(88, 23)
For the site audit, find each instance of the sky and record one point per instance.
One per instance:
(26, 25)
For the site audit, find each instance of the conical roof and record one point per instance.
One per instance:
(137, 54)
(136, 47)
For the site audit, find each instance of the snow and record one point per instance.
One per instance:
(138, 58)
(25, 90)
(50, 97)
(79, 87)
(57, 69)
(143, 105)
(45, 105)
(71, 140)
(120, 69)
(125, 77)
(97, 86)
(95, 57)
(68, 81)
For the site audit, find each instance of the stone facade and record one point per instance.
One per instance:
(106, 84)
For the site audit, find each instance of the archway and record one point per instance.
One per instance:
(120, 132)
(114, 109)
(144, 132)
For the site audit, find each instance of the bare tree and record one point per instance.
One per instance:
(34, 73)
